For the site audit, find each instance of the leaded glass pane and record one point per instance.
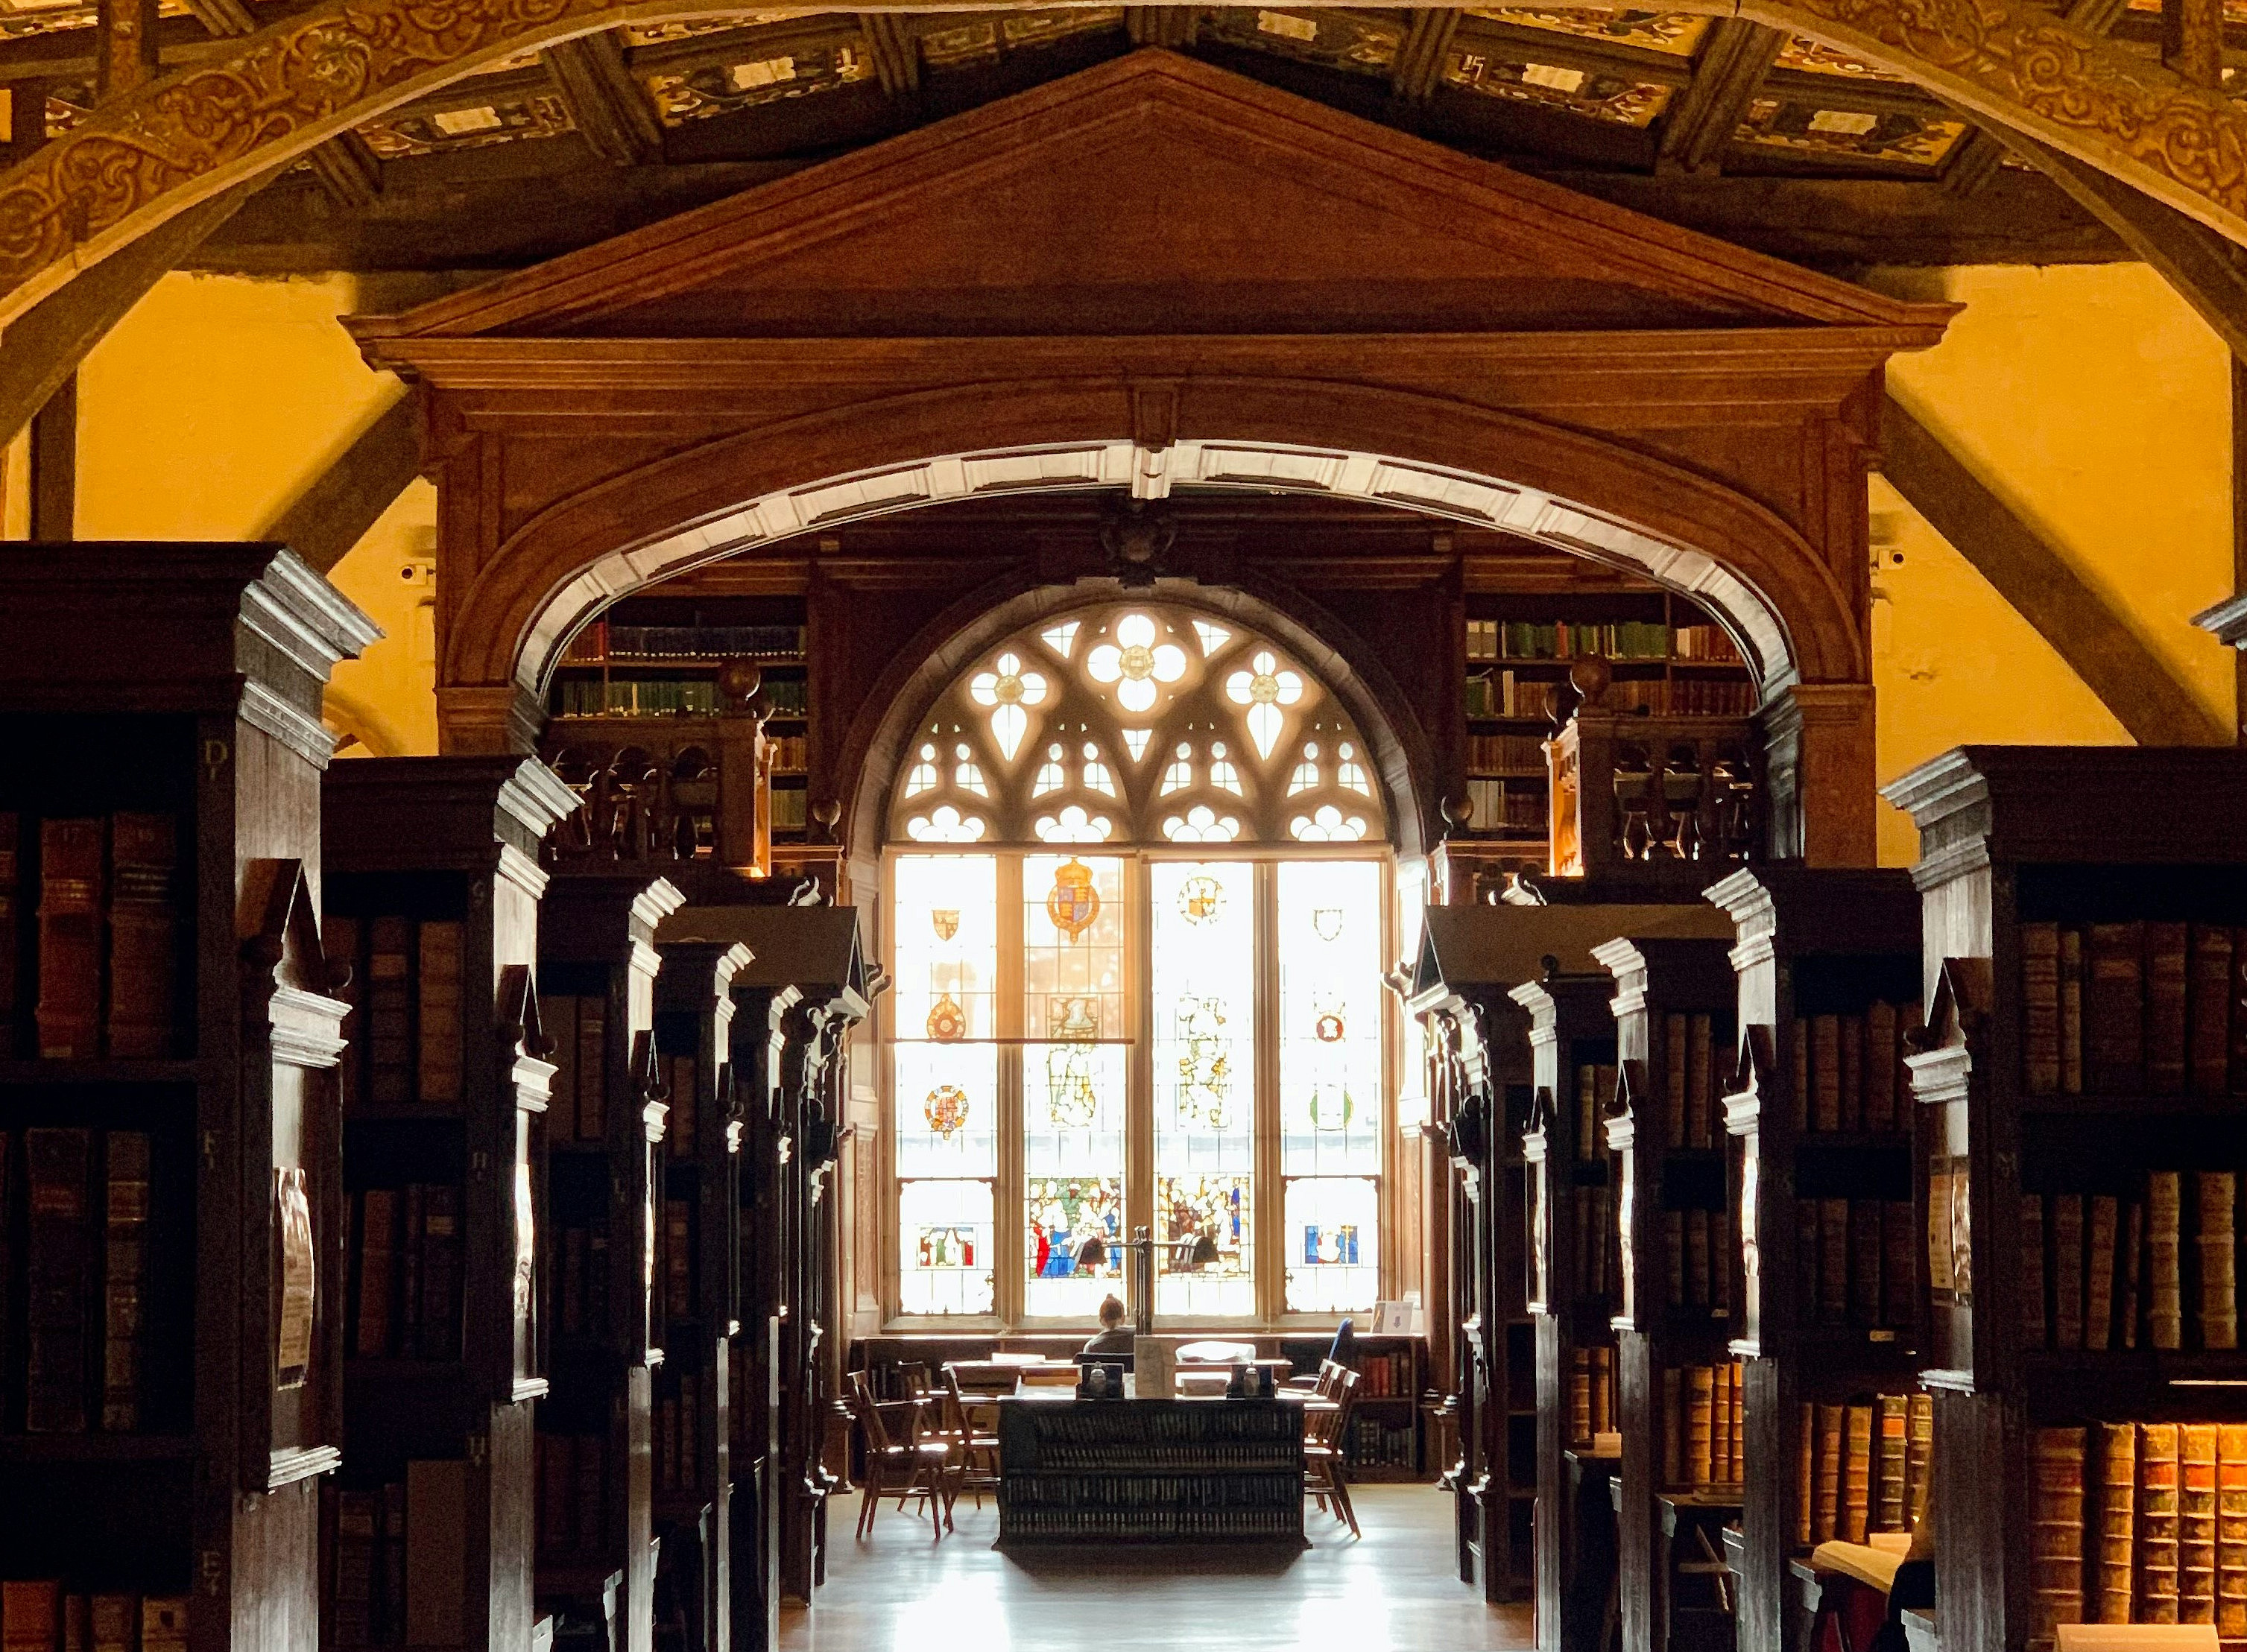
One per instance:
(1330, 1017)
(944, 1232)
(1202, 979)
(1333, 1229)
(1073, 1242)
(947, 947)
(1204, 1229)
(947, 1109)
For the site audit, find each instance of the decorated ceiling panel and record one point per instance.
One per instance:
(1617, 95)
(747, 78)
(1896, 135)
(1359, 44)
(1139, 723)
(1676, 32)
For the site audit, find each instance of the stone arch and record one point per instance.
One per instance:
(269, 97)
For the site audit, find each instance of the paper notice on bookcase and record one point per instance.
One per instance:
(293, 1211)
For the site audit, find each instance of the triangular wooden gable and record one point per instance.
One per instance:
(1152, 194)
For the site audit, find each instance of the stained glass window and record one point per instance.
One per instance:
(1334, 1239)
(945, 1227)
(1330, 1014)
(1202, 988)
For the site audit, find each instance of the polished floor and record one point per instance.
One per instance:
(1394, 1589)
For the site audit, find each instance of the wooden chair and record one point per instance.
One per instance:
(1324, 1435)
(912, 1468)
(914, 1376)
(1319, 1386)
(976, 1465)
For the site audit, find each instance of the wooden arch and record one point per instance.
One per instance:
(271, 96)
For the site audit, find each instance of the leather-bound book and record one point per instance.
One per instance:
(1739, 1428)
(2209, 1019)
(1676, 1072)
(592, 1069)
(69, 1012)
(2231, 1531)
(1806, 1475)
(2131, 1262)
(1808, 1269)
(12, 907)
(1921, 1460)
(1882, 1050)
(2197, 1523)
(1700, 1082)
(393, 1562)
(1897, 1254)
(1826, 1072)
(58, 1279)
(1675, 1455)
(30, 1615)
(163, 1623)
(1697, 1291)
(2034, 1333)
(1857, 1475)
(2217, 1195)
(2115, 1561)
(1721, 1253)
(1890, 1480)
(359, 1527)
(2066, 1211)
(2115, 1009)
(677, 1255)
(1865, 1262)
(2164, 1278)
(440, 1273)
(2040, 1007)
(413, 1256)
(390, 1012)
(2099, 1275)
(1700, 1424)
(1588, 1110)
(1673, 1256)
(1828, 1523)
(2157, 1523)
(78, 1623)
(558, 1016)
(2168, 1039)
(340, 939)
(2055, 1532)
(441, 945)
(373, 1298)
(680, 1130)
(1852, 1072)
(125, 1278)
(143, 936)
(2071, 1012)
(114, 1622)
(1834, 1261)
(1798, 1049)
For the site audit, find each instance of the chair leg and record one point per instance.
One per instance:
(1342, 1500)
(870, 1501)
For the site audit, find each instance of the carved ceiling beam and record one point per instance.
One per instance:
(895, 48)
(1979, 155)
(348, 171)
(269, 97)
(606, 102)
(2130, 680)
(1172, 26)
(1727, 74)
(124, 47)
(2192, 40)
(1419, 67)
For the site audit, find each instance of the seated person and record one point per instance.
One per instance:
(1114, 1338)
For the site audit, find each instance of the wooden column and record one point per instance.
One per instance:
(1819, 763)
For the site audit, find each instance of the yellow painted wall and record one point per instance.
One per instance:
(2098, 406)
(209, 409)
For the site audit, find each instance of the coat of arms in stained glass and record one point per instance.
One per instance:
(1201, 899)
(945, 1110)
(1074, 903)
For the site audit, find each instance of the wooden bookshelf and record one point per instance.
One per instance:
(597, 968)
(2016, 1114)
(1675, 1009)
(1828, 967)
(169, 1105)
(701, 1181)
(431, 901)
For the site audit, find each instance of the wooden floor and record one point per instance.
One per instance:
(1396, 1588)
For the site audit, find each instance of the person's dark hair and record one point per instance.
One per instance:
(1111, 1310)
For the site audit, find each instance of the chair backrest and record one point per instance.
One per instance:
(914, 1375)
(869, 1414)
(1345, 1399)
(1330, 1375)
(1345, 1351)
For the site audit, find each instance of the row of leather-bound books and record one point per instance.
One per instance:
(1695, 1071)
(1854, 1262)
(576, 1104)
(679, 1076)
(2117, 1008)
(675, 1270)
(2102, 1271)
(104, 977)
(1704, 1425)
(1595, 1088)
(404, 992)
(578, 1289)
(79, 1201)
(1848, 1071)
(394, 1550)
(1861, 1467)
(1127, 1492)
(573, 1477)
(39, 1615)
(1698, 1246)
(1591, 1393)
(404, 1294)
(2139, 1522)
(1592, 1266)
(673, 1419)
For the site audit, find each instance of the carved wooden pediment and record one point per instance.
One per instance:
(1153, 195)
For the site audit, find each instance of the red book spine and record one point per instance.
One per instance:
(70, 939)
(144, 932)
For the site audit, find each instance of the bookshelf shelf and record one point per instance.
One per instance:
(2077, 1299)
(176, 1169)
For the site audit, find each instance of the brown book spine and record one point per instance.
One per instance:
(2117, 1520)
(2133, 1266)
(30, 1615)
(1673, 1427)
(1700, 1424)
(1809, 1271)
(59, 1297)
(1826, 1072)
(1834, 1261)
(389, 1012)
(1700, 1082)
(1798, 1044)
(2197, 1523)
(143, 936)
(2033, 1322)
(1806, 1475)
(374, 1320)
(125, 1280)
(1890, 1510)
(2157, 1523)
(2056, 1531)
(2071, 1012)
(2068, 1270)
(1852, 1072)
(1675, 1074)
(2167, 1037)
(2164, 1283)
(1828, 1523)
(1857, 1477)
(2231, 1531)
(2219, 1192)
(1896, 1254)
(592, 1069)
(2099, 1275)
(441, 1273)
(70, 939)
(1882, 1067)
(2040, 1007)
(439, 1064)
(2209, 1016)
(1921, 1458)
(11, 864)
(2114, 1004)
